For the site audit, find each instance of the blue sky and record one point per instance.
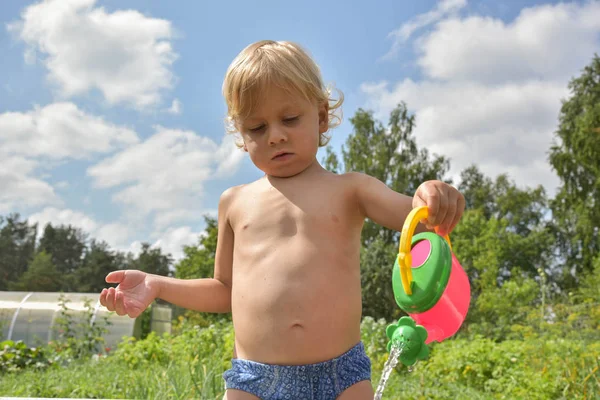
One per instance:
(111, 114)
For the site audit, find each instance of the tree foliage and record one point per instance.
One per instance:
(17, 248)
(575, 156)
(63, 259)
(199, 259)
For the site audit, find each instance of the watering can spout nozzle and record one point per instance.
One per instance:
(410, 339)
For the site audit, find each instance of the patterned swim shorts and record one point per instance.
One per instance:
(322, 381)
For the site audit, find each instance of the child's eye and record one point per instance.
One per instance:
(291, 119)
(256, 129)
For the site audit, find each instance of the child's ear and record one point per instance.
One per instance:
(324, 117)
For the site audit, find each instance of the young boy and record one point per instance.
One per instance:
(287, 261)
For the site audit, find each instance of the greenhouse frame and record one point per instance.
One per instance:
(31, 317)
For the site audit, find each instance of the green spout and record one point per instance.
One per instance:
(410, 337)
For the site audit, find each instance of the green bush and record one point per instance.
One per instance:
(192, 345)
(188, 365)
(538, 365)
(16, 356)
(517, 369)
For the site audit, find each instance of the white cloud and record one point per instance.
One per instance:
(58, 131)
(125, 55)
(115, 234)
(492, 91)
(176, 107)
(211, 212)
(543, 42)
(166, 218)
(170, 241)
(503, 129)
(53, 133)
(166, 172)
(19, 188)
(402, 34)
(228, 158)
(63, 217)
(135, 248)
(173, 240)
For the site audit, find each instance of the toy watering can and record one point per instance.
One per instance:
(430, 286)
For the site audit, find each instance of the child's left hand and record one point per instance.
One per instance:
(446, 205)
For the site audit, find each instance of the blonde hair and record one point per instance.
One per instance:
(284, 64)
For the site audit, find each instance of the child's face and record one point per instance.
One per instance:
(282, 135)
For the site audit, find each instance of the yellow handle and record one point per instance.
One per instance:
(404, 256)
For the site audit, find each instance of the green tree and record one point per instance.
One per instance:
(478, 191)
(498, 310)
(575, 156)
(199, 260)
(376, 262)
(152, 261)
(510, 214)
(66, 244)
(588, 289)
(523, 208)
(41, 276)
(478, 243)
(331, 161)
(17, 248)
(98, 261)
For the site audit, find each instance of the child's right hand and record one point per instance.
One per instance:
(135, 292)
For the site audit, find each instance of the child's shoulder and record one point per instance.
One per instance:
(348, 182)
(354, 179)
(230, 194)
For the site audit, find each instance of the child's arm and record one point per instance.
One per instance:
(137, 289)
(388, 208)
(207, 294)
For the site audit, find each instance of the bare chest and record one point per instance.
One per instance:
(278, 214)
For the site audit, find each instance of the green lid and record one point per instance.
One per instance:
(429, 279)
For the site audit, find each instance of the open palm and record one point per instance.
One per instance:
(132, 296)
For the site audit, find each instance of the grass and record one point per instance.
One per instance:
(191, 365)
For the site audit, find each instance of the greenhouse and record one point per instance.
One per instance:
(33, 317)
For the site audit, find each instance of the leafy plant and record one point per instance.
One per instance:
(77, 334)
(16, 356)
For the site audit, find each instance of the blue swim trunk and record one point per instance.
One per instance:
(322, 381)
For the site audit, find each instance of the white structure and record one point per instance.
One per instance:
(30, 316)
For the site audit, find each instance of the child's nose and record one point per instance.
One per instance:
(277, 135)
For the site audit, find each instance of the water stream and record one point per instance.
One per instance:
(392, 361)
